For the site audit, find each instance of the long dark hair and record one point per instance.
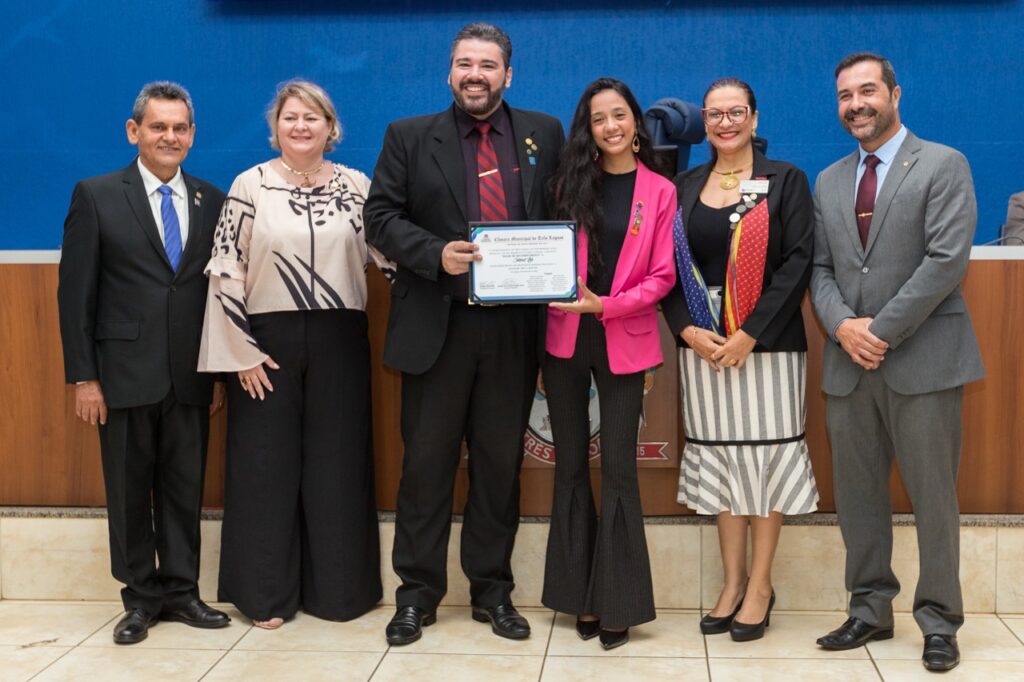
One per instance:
(576, 186)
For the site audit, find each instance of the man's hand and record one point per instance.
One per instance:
(219, 391)
(863, 347)
(456, 257)
(89, 403)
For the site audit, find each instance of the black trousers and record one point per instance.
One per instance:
(596, 567)
(300, 519)
(480, 388)
(154, 458)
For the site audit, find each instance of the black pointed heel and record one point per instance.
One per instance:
(747, 632)
(716, 625)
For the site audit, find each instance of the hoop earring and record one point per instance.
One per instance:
(636, 143)
(596, 154)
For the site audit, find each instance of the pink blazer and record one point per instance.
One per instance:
(644, 274)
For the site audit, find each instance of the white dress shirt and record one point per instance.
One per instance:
(886, 153)
(179, 197)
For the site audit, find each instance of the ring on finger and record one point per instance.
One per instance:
(244, 381)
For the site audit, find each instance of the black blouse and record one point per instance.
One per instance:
(616, 200)
(709, 235)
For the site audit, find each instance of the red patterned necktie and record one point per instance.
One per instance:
(492, 191)
(866, 197)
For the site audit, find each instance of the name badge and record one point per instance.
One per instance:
(754, 187)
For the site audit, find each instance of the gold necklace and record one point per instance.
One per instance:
(729, 179)
(305, 175)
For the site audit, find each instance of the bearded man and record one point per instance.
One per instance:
(894, 222)
(467, 371)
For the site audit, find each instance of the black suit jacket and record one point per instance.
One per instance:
(126, 318)
(417, 204)
(776, 321)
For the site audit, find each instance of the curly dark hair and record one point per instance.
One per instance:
(576, 186)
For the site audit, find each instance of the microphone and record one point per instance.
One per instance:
(1007, 240)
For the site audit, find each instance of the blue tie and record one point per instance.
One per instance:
(172, 231)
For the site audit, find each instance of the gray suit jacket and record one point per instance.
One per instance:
(908, 276)
(1014, 226)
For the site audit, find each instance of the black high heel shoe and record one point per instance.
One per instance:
(716, 625)
(613, 638)
(747, 632)
(587, 629)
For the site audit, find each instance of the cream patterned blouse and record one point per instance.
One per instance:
(280, 247)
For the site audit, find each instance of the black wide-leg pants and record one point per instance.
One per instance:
(154, 458)
(481, 388)
(596, 567)
(300, 520)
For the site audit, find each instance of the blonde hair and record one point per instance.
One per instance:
(313, 96)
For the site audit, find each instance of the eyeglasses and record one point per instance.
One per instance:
(714, 116)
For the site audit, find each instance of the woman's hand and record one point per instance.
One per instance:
(705, 343)
(736, 350)
(255, 380)
(588, 301)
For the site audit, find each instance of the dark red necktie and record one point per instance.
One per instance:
(492, 191)
(866, 197)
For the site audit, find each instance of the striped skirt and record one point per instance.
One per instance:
(745, 451)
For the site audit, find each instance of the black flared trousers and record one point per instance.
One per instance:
(596, 566)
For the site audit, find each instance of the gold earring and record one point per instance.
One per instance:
(636, 143)
(753, 133)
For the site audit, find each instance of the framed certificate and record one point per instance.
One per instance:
(523, 262)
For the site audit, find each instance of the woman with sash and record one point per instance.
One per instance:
(598, 570)
(743, 240)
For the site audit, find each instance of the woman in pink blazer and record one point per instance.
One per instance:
(596, 569)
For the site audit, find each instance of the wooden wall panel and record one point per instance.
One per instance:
(48, 457)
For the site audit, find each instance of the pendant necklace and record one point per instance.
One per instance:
(729, 179)
(306, 176)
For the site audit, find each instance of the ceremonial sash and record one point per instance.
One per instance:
(744, 275)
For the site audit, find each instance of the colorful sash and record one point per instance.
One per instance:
(698, 300)
(744, 276)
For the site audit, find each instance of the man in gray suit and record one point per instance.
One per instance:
(894, 225)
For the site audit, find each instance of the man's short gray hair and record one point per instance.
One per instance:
(161, 90)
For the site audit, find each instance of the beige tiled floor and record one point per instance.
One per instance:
(71, 641)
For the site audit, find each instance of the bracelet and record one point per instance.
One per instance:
(693, 338)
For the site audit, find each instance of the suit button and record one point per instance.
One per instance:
(174, 288)
(447, 298)
(865, 270)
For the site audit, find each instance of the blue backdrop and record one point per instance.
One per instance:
(71, 69)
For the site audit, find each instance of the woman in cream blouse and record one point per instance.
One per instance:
(285, 313)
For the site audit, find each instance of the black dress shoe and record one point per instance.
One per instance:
(587, 629)
(613, 638)
(197, 614)
(716, 625)
(407, 625)
(940, 652)
(748, 632)
(504, 619)
(133, 627)
(852, 634)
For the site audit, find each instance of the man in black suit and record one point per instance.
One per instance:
(132, 294)
(467, 371)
